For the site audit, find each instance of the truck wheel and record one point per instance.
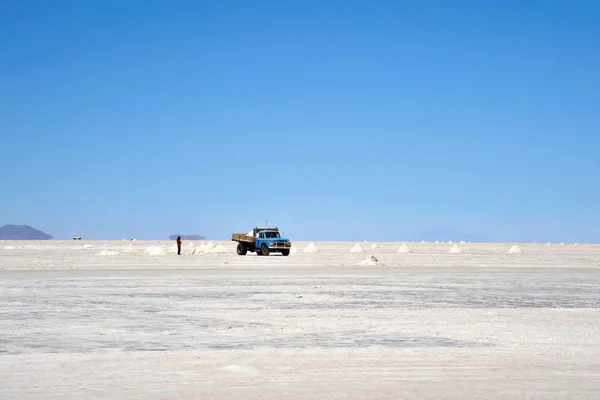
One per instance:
(264, 250)
(241, 249)
(285, 253)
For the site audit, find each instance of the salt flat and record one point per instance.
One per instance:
(105, 320)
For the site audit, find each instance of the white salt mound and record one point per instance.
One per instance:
(155, 251)
(374, 246)
(88, 246)
(207, 247)
(9, 248)
(449, 241)
(194, 251)
(404, 249)
(455, 250)
(423, 242)
(515, 250)
(462, 242)
(108, 253)
(311, 248)
(370, 261)
(219, 249)
(190, 245)
(357, 248)
(128, 249)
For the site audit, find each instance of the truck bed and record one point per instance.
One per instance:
(242, 237)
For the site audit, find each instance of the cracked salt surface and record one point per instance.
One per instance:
(481, 324)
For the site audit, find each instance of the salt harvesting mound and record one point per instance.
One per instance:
(219, 249)
(455, 250)
(108, 253)
(515, 250)
(194, 251)
(374, 246)
(404, 249)
(357, 248)
(370, 261)
(155, 251)
(311, 248)
(128, 249)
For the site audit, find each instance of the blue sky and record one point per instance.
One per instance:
(336, 120)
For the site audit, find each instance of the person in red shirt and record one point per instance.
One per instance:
(178, 245)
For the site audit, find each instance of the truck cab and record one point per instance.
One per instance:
(269, 241)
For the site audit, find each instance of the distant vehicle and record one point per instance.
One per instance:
(263, 241)
(76, 237)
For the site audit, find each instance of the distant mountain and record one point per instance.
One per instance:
(187, 237)
(22, 232)
(447, 234)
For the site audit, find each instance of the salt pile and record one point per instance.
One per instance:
(155, 251)
(219, 249)
(108, 253)
(357, 248)
(190, 245)
(423, 242)
(449, 241)
(455, 250)
(88, 246)
(370, 261)
(462, 242)
(194, 251)
(404, 249)
(207, 247)
(9, 248)
(128, 249)
(311, 248)
(172, 249)
(515, 250)
(374, 246)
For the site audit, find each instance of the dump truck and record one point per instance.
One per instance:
(263, 241)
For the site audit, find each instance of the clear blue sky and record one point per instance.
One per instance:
(339, 120)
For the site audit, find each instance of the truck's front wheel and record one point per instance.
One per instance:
(264, 250)
(285, 252)
(241, 249)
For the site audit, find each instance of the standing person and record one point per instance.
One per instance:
(178, 245)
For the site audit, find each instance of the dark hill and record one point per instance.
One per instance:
(187, 237)
(22, 232)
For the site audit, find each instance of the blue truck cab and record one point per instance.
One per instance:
(263, 241)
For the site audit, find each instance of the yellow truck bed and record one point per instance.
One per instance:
(242, 237)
